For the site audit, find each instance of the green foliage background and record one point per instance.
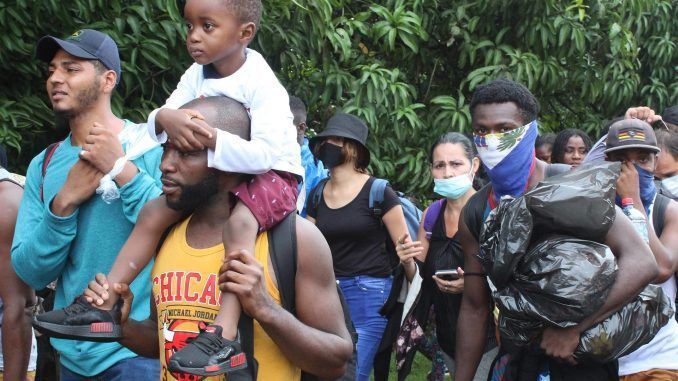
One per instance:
(408, 67)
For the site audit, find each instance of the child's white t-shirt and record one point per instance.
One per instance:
(273, 143)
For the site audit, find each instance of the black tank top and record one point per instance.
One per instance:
(443, 253)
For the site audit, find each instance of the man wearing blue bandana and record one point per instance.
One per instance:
(504, 124)
(633, 143)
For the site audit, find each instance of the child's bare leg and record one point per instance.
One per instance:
(240, 233)
(155, 217)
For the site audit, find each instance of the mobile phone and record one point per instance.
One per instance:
(447, 274)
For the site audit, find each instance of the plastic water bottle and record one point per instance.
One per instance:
(544, 373)
(636, 217)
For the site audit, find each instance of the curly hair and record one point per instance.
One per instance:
(558, 153)
(504, 90)
(245, 10)
(546, 139)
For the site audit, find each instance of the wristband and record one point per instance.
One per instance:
(117, 167)
(108, 189)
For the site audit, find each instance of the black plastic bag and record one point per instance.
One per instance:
(579, 203)
(544, 276)
(504, 240)
(548, 294)
(560, 281)
(627, 329)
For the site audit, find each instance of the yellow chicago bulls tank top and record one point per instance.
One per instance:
(186, 294)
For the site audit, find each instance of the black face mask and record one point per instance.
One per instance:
(330, 155)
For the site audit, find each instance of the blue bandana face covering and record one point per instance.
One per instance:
(508, 158)
(647, 188)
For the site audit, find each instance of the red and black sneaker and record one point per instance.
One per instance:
(81, 321)
(209, 354)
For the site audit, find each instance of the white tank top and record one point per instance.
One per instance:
(662, 351)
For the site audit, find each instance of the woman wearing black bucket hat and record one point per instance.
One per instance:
(340, 208)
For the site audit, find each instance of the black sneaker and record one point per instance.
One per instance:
(208, 354)
(81, 321)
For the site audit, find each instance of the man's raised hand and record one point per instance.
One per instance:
(102, 148)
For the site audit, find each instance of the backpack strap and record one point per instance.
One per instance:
(246, 332)
(318, 193)
(432, 216)
(661, 202)
(49, 152)
(6, 176)
(282, 247)
(377, 196)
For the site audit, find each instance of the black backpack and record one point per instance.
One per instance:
(283, 251)
(661, 202)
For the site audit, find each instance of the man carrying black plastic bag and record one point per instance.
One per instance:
(543, 253)
(504, 124)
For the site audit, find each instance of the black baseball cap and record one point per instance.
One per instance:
(344, 126)
(87, 44)
(631, 133)
(670, 115)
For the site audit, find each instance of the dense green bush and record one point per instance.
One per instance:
(408, 67)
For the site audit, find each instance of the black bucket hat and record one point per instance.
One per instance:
(344, 126)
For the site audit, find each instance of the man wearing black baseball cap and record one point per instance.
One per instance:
(633, 142)
(86, 44)
(64, 229)
(670, 116)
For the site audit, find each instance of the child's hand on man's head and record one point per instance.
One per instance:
(209, 141)
(182, 126)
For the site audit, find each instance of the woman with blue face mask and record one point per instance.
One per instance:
(454, 163)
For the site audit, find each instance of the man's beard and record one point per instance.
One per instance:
(193, 196)
(84, 98)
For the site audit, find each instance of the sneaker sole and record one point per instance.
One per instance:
(79, 332)
(214, 370)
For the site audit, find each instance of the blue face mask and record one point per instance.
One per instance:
(454, 187)
(647, 188)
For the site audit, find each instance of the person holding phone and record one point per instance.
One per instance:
(437, 257)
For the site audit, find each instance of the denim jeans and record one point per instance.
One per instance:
(132, 369)
(365, 295)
